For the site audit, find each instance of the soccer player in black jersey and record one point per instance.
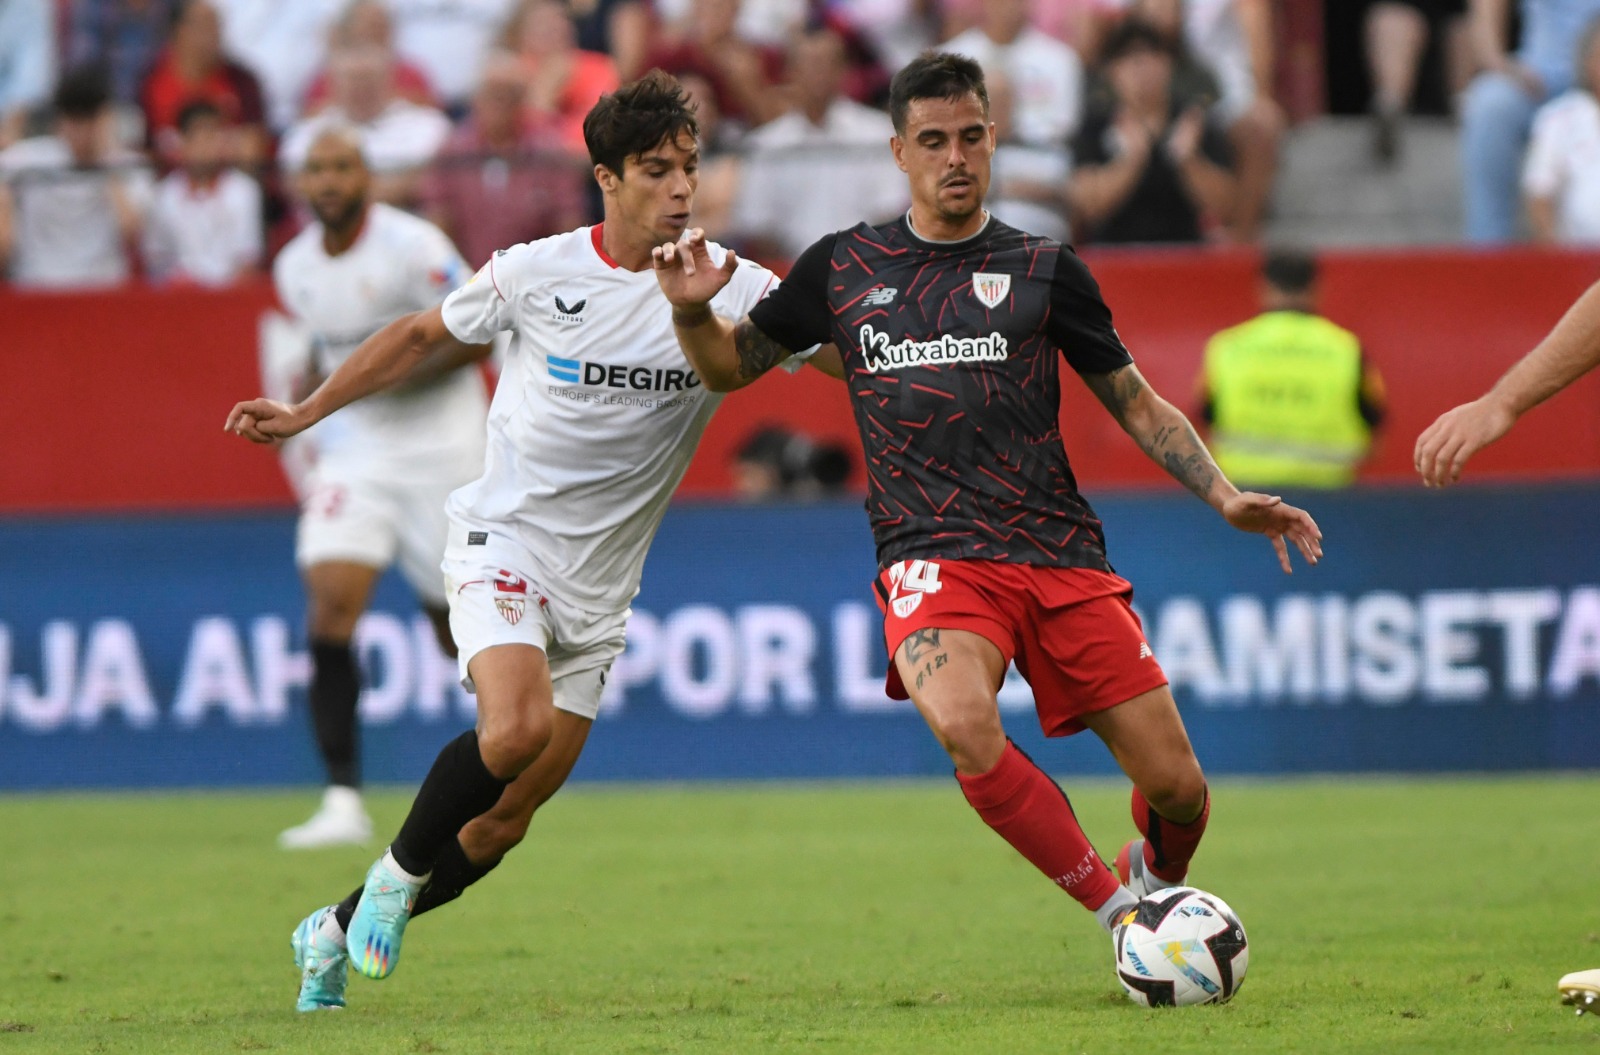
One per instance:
(949, 327)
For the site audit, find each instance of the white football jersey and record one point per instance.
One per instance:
(597, 413)
(398, 264)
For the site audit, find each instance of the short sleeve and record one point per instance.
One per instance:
(1079, 322)
(438, 269)
(482, 308)
(1541, 173)
(796, 313)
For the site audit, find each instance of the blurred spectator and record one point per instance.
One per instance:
(398, 138)
(741, 75)
(823, 166)
(1497, 111)
(366, 23)
(1233, 40)
(204, 223)
(125, 35)
(1397, 34)
(1146, 171)
(1561, 179)
(720, 164)
(503, 177)
(448, 39)
(283, 42)
(1290, 398)
(563, 80)
(1028, 188)
(71, 203)
(766, 23)
(1072, 22)
(619, 28)
(27, 62)
(1045, 75)
(775, 464)
(194, 67)
(899, 30)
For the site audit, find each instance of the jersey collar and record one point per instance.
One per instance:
(930, 243)
(595, 234)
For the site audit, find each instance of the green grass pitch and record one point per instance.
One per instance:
(1384, 916)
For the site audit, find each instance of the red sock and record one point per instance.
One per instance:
(1032, 813)
(1168, 846)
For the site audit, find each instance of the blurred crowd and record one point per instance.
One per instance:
(160, 138)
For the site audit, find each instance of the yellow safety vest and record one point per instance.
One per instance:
(1284, 389)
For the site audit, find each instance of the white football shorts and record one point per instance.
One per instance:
(350, 516)
(496, 600)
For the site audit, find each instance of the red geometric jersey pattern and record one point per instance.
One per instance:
(964, 453)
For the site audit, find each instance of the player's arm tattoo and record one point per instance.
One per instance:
(925, 654)
(758, 353)
(1158, 427)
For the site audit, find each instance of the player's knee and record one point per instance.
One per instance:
(332, 617)
(973, 737)
(1178, 794)
(509, 743)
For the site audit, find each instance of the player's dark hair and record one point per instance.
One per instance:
(636, 117)
(1289, 270)
(935, 75)
(83, 92)
(197, 110)
(1131, 36)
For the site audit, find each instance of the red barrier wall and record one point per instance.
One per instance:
(116, 400)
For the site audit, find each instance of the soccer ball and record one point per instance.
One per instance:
(1183, 946)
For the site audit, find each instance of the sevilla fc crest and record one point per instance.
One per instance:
(513, 606)
(990, 288)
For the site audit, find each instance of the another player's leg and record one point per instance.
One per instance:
(1171, 803)
(337, 593)
(952, 676)
(486, 839)
(515, 723)
(320, 941)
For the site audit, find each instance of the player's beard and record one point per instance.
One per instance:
(341, 218)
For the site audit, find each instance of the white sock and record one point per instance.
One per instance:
(401, 874)
(1117, 906)
(329, 927)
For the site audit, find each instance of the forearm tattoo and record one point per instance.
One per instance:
(758, 353)
(1177, 448)
(1173, 445)
(924, 654)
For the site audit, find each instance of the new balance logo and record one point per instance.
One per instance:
(1144, 651)
(880, 296)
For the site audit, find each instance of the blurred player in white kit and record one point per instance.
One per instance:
(375, 494)
(593, 424)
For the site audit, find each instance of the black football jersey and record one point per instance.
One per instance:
(952, 356)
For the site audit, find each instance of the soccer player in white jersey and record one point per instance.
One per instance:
(593, 424)
(383, 470)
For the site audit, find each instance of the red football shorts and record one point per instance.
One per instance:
(1071, 631)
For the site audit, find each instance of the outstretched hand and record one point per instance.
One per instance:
(1444, 447)
(265, 421)
(685, 273)
(1271, 516)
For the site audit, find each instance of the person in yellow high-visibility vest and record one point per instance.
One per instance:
(1289, 397)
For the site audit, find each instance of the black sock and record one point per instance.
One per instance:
(453, 872)
(458, 788)
(335, 688)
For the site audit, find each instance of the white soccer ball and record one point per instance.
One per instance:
(1183, 946)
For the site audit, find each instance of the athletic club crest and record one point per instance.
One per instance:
(511, 596)
(991, 288)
